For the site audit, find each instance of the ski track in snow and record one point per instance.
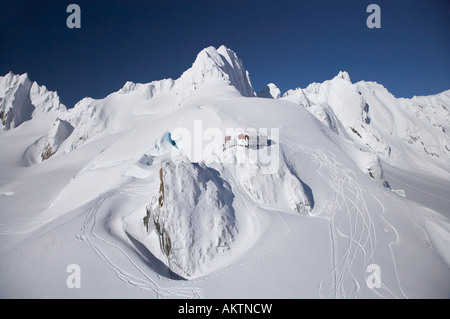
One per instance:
(255, 258)
(181, 291)
(98, 244)
(353, 236)
(249, 206)
(101, 245)
(392, 254)
(356, 227)
(39, 231)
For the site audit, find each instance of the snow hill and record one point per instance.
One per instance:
(138, 189)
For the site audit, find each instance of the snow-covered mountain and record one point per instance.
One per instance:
(21, 99)
(222, 64)
(409, 133)
(157, 191)
(270, 91)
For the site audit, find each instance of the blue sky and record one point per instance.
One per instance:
(289, 43)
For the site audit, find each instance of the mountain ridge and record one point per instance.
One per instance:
(189, 188)
(364, 112)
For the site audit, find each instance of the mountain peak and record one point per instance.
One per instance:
(11, 79)
(270, 91)
(20, 98)
(221, 63)
(343, 75)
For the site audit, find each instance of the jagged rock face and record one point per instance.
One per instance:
(21, 99)
(45, 100)
(47, 152)
(192, 215)
(59, 132)
(15, 102)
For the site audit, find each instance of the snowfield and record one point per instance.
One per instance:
(140, 192)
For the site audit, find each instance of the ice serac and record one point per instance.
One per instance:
(222, 64)
(270, 91)
(21, 100)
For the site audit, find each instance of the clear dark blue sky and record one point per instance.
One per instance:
(290, 43)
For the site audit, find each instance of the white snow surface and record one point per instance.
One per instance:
(141, 194)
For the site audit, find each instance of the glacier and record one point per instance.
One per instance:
(353, 177)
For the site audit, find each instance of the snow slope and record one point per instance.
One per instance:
(140, 193)
(410, 133)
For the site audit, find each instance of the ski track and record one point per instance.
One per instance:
(101, 245)
(98, 244)
(181, 291)
(352, 235)
(266, 252)
(46, 228)
(392, 253)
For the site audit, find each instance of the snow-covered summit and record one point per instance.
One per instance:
(270, 91)
(12, 80)
(397, 130)
(21, 99)
(343, 75)
(222, 64)
(15, 102)
(215, 71)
